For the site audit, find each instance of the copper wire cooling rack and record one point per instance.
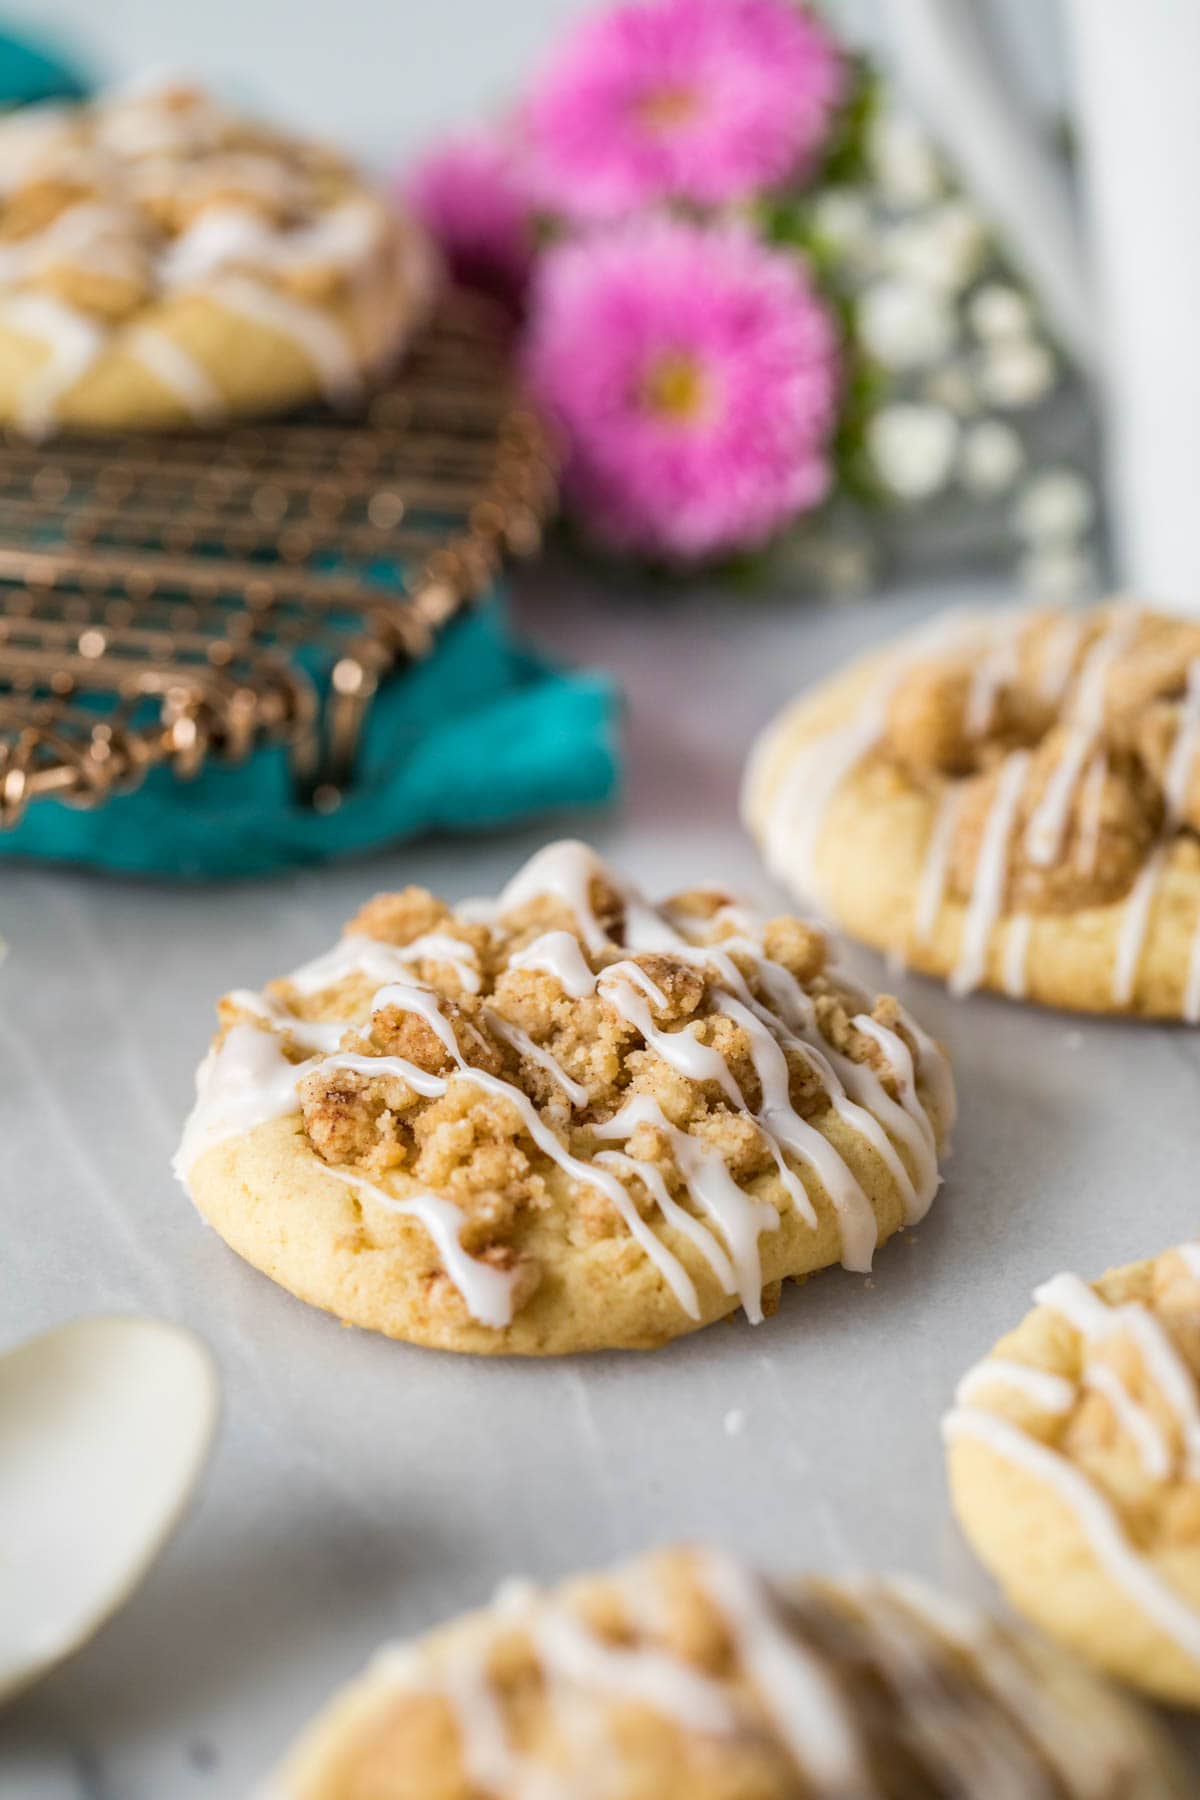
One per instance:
(166, 600)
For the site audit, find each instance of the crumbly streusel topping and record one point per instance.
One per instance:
(108, 204)
(1127, 1353)
(474, 1148)
(571, 1029)
(699, 1677)
(1025, 684)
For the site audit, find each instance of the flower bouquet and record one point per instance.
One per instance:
(754, 302)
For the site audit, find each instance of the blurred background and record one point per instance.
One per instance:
(428, 67)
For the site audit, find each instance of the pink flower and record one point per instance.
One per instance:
(469, 195)
(694, 376)
(705, 101)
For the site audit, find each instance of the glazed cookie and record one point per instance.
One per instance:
(1074, 1454)
(687, 1677)
(1008, 800)
(563, 1120)
(164, 263)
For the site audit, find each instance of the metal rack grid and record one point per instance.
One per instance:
(164, 600)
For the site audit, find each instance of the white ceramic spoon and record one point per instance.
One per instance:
(105, 1424)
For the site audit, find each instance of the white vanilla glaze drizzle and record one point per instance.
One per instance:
(564, 871)
(557, 953)
(231, 234)
(782, 1125)
(991, 875)
(746, 1220)
(1048, 821)
(1178, 776)
(1095, 1320)
(1065, 1740)
(983, 1752)
(521, 1042)
(310, 1034)
(1049, 1392)
(32, 138)
(178, 372)
(323, 343)
(741, 1218)
(1058, 656)
(1016, 955)
(994, 668)
(679, 1049)
(73, 340)
(732, 1220)
(1191, 992)
(137, 149)
(1099, 1523)
(808, 789)
(489, 1760)
(244, 1083)
(569, 874)
(936, 866)
(804, 1704)
(969, 1706)
(1091, 813)
(1132, 1417)
(655, 1184)
(1135, 919)
(800, 785)
(74, 233)
(816, 770)
(242, 171)
(1163, 1365)
(487, 1291)
(572, 1653)
(355, 954)
(855, 1091)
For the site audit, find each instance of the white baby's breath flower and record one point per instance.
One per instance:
(903, 159)
(1017, 373)
(990, 457)
(1055, 507)
(998, 311)
(952, 385)
(1058, 573)
(912, 447)
(905, 325)
(845, 222)
(941, 248)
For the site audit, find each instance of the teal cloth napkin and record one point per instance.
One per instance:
(481, 733)
(32, 71)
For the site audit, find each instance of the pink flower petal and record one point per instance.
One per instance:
(694, 375)
(706, 101)
(470, 195)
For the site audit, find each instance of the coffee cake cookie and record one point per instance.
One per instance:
(687, 1677)
(565, 1119)
(164, 262)
(1007, 800)
(1074, 1454)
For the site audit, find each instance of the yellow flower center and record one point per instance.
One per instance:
(675, 387)
(668, 107)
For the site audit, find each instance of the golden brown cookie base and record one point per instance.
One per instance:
(1034, 1542)
(273, 1201)
(870, 855)
(490, 1704)
(565, 1120)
